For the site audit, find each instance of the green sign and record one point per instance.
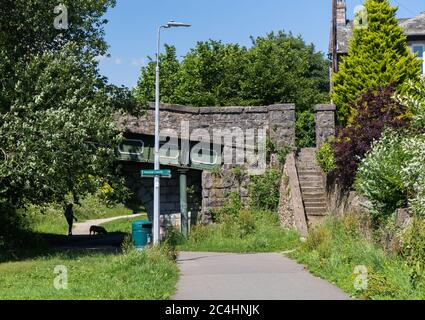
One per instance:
(166, 173)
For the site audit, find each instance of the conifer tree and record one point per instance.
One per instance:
(378, 56)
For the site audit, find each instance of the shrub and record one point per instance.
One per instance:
(379, 176)
(325, 158)
(393, 173)
(305, 129)
(231, 207)
(264, 190)
(281, 153)
(375, 111)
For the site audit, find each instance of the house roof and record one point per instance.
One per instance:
(413, 27)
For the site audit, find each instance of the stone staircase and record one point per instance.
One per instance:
(312, 183)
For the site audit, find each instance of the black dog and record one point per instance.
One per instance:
(98, 230)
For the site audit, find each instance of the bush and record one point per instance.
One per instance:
(393, 173)
(379, 176)
(375, 111)
(264, 190)
(325, 158)
(305, 129)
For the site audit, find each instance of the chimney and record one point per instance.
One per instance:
(341, 13)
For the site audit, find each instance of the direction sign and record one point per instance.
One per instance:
(164, 173)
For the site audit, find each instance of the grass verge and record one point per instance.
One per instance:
(145, 275)
(339, 252)
(250, 232)
(123, 225)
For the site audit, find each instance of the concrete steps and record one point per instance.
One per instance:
(312, 185)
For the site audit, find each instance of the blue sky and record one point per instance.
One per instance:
(131, 31)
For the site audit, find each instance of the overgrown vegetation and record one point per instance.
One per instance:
(264, 190)
(239, 227)
(305, 130)
(334, 250)
(393, 173)
(247, 231)
(325, 158)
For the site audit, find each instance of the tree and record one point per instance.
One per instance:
(282, 68)
(27, 29)
(378, 56)
(169, 80)
(57, 133)
(278, 68)
(211, 75)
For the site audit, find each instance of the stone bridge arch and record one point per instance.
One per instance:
(211, 184)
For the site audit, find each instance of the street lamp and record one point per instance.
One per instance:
(156, 194)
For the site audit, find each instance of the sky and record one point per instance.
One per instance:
(132, 28)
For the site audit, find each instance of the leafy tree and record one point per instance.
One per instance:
(170, 66)
(281, 68)
(378, 56)
(27, 29)
(211, 75)
(57, 133)
(277, 68)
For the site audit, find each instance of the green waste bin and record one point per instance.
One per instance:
(141, 233)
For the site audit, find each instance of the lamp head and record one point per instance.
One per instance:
(174, 24)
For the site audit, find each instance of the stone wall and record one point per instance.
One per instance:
(278, 120)
(325, 122)
(217, 185)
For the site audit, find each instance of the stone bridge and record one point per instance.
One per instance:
(209, 181)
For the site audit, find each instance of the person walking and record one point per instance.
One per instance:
(69, 215)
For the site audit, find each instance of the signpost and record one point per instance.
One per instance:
(164, 173)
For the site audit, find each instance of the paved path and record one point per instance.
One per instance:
(270, 276)
(82, 240)
(83, 228)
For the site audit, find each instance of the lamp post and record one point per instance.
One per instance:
(156, 207)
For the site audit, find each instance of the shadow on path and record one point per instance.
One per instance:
(110, 243)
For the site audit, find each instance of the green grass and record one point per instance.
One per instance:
(142, 275)
(50, 219)
(256, 232)
(332, 251)
(123, 225)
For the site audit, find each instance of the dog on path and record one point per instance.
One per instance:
(98, 230)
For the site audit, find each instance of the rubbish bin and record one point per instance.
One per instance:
(141, 233)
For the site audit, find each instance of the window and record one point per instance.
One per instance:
(418, 50)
